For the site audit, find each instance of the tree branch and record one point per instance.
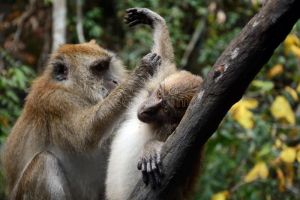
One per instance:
(59, 14)
(79, 23)
(30, 9)
(225, 85)
(190, 55)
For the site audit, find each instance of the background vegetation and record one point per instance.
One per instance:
(255, 153)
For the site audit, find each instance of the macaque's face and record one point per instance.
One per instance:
(168, 102)
(87, 70)
(160, 107)
(156, 108)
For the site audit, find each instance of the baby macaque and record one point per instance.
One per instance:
(151, 118)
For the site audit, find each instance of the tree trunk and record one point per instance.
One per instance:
(59, 23)
(79, 21)
(224, 86)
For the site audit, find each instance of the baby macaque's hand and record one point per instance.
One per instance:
(135, 16)
(150, 163)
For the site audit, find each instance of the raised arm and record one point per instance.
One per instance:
(161, 39)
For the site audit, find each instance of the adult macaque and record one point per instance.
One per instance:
(151, 118)
(53, 151)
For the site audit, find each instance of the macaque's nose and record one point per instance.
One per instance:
(148, 111)
(115, 82)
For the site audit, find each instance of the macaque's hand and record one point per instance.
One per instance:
(135, 16)
(151, 61)
(150, 163)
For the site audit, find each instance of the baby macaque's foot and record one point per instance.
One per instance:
(136, 16)
(150, 164)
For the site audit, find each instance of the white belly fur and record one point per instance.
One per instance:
(122, 172)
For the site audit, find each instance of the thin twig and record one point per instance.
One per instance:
(22, 19)
(194, 44)
(79, 24)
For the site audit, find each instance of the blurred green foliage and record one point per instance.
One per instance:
(250, 156)
(14, 80)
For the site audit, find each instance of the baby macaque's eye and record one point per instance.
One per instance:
(165, 107)
(159, 96)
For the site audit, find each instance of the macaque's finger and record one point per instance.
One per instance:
(152, 179)
(133, 23)
(126, 19)
(153, 164)
(159, 62)
(157, 59)
(156, 164)
(157, 178)
(139, 165)
(156, 172)
(132, 14)
(149, 168)
(129, 18)
(130, 10)
(144, 165)
(144, 172)
(153, 56)
(145, 178)
(159, 164)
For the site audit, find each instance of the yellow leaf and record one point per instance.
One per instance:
(298, 156)
(220, 195)
(292, 44)
(260, 170)
(281, 110)
(275, 70)
(292, 92)
(288, 155)
(278, 143)
(241, 113)
(291, 40)
(298, 88)
(295, 50)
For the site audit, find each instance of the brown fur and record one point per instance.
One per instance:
(71, 115)
(181, 87)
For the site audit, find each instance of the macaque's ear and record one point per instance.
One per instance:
(92, 41)
(60, 71)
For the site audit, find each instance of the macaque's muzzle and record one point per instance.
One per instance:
(149, 110)
(111, 84)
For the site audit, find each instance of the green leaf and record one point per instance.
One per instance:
(264, 86)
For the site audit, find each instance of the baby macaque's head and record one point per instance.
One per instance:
(169, 101)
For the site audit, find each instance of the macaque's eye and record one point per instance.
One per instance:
(60, 71)
(159, 96)
(165, 107)
(100, 65)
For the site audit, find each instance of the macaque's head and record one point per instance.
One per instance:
(168, 102)
(86, 69)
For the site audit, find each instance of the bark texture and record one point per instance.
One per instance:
(224, 86)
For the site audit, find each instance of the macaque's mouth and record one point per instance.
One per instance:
(144, 117)
(104, 92)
